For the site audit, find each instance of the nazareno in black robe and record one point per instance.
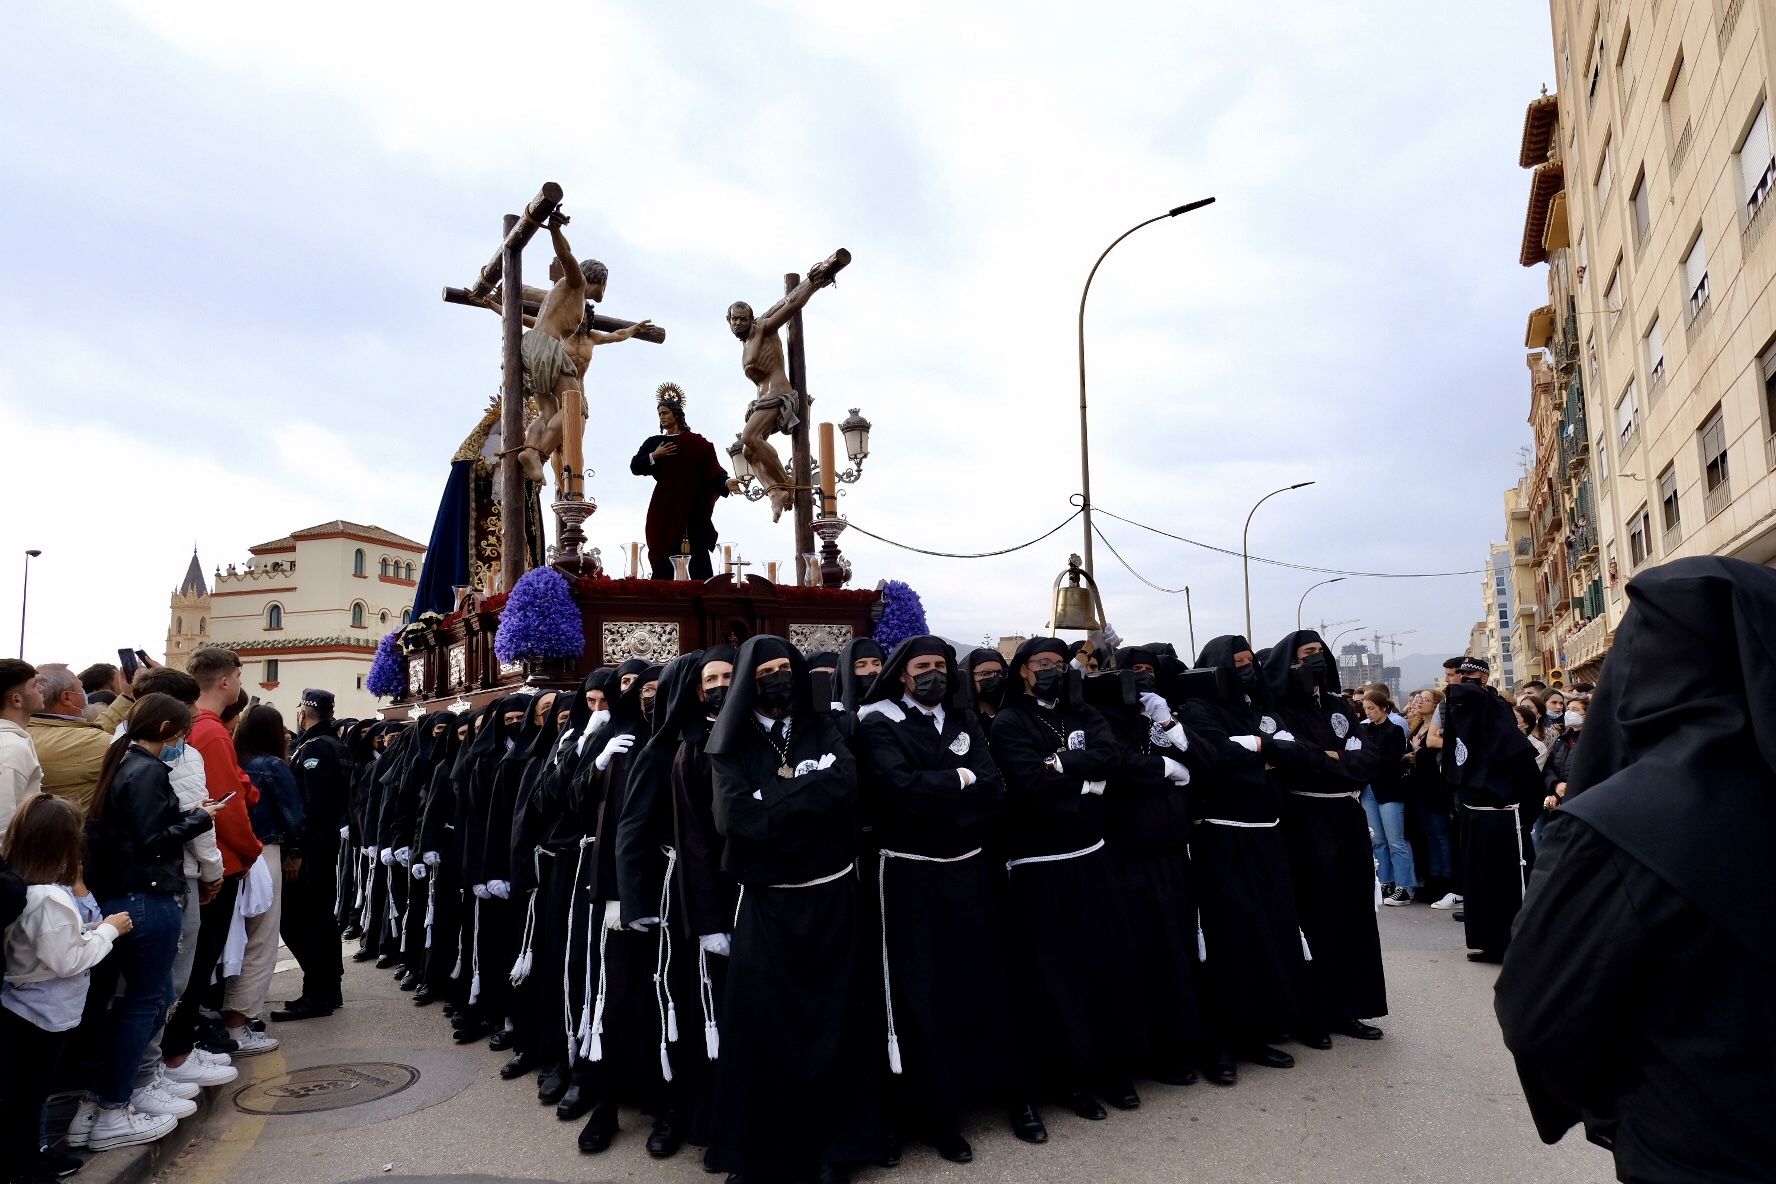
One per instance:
(1253, 966)
(1491, 768)
(535, 997)
(940, 925)
(417, 792)
(484, 759)
(1330, 855)
(1069, 956)
(437, 823)
(1639, 993)
(560, 954)
(502, 920)
(799, 1076)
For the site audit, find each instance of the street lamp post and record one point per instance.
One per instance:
(24, 598)
(1303, 601)
(1338, 635)
(1085, 472)
(1245, 553)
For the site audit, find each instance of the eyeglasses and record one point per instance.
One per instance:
(1039, 665)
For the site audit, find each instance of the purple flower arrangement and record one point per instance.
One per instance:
(903, 615)
(388, 670)
(540, 619)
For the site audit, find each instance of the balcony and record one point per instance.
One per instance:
(1523, 550)
(1548, 180)
(1587, 643)
(1717, 498)
(1770, 451)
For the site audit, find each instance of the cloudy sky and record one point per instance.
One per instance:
(226, 227)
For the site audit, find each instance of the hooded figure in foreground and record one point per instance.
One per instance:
(1639, 993)
(799, 1072)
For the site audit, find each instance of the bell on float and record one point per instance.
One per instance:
(1076, 606)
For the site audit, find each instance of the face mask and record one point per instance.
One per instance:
(1145, 681)
(1574, 719)
(775, 690)
(713, 698)
(647, 708)
(864, 683)
(1248, 677)
(1049, 683)
(1555, 716)
(1318, 668)
(989, 689)
(599, 718)
(172, 752)
(930, 687)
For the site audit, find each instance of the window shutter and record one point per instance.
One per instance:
(1754, 156)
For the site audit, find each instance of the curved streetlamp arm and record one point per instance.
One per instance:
(1245, 554)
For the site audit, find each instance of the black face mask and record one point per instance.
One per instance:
(930, 687)
(1050, 682)
(775, 690)
(713, 698)
(864, 683)
(1145, 681)
(647, 709)
(1247, 676)
(1315, 672)
(990, 689)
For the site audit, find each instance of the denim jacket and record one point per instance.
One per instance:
(278, 817)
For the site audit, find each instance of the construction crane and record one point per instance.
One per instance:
(1392, 640)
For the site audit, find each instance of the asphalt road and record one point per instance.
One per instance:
(1436, 1100)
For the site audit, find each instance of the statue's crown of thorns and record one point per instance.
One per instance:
(670, 392)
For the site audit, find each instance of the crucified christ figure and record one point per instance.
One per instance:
(556, 354)
(778, 406)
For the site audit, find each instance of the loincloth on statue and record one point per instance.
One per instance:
(788, 406)
(545, 362)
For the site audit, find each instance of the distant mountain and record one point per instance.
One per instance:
(1418, 671)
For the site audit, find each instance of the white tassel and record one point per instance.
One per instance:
(887, 984)
(1306, 954)
(706, 999)
(475, 981)
(672, 1023)
(1202, 946)
(712, 1041)
(431, 907)
(893, 1053)
(665, 1064)
(574, 1035)
(596, 1044)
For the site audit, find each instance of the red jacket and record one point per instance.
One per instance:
(234, 827)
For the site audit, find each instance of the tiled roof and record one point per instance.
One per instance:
(194, 583)
(338, 527)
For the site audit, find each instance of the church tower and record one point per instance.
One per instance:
(188, 626)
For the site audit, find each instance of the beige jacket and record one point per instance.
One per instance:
(21, 774)
(73, 750)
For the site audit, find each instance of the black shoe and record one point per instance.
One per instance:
(520, 1064)
(1312, 1039)
(364, 955)
(574, 1104)
(408, 983)
(1122, 1095)
(449, 1010)
(423, 997)
(351, 932)
(386, 961)
(470, 1032)
(664, 1140)
(302, 1009)
(890, 1157)
(1082, 1103)
(1356, 1029)
(1221, 1068)
(1264, 1054)
(551, 1085)
(502, 1040)
(599, 1130)
(1459, 915)
(61, 1164)
(1027, 1125)
(831, 1173)
(1485, 956)
(951, 1146)
(1179, 1075)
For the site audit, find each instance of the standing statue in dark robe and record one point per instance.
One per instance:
(688, 480)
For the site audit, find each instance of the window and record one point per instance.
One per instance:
(1612, 295)
(1584, 258)
(385, 567)
(1643, 213)
(178, 624)
(1640, 537)
(1677, 112)
(1695, 272)
(274, 617)
(1627, 416)
(271, 670)
(1755, 160)
(360, 682)
(410, 571)
(382, 618)
(1591, 352)
(1605, 176)
(1655, 353)
(1601, 451)
(358, 562)
(1624, 64)
(358, 615)
(406, 616)
(1668, 508)
(1713, 438)
(1767, 371)
(1596, 74)
(202, 625)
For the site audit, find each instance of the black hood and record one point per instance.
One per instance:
(598, 680)
(1678, 762)
(626, 707)
(960, 696)
(736, 719)
(465, 751)
(850, 686)
(1279, 665)
(976, 658)
(491, 740)
(538, 740)
(1073, 696)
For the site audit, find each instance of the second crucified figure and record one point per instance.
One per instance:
(557, 353)
(778, 405)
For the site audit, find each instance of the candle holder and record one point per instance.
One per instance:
(570, 518)
(834, 571)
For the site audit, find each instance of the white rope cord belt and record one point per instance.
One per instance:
(462, 941)
(740, 897)
(1097, 846)
(388, 900)
(663, 967)
(1307, 793)
(521, 966)
(366, 893)
(1517, 826)
(406, 908)
(574, 1032)
(475, 956)
(431, 905)
(339, 866)
(884, 856)
(1236, 822)
(592, 1031)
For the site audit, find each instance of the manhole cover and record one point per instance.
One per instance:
(326, 1087)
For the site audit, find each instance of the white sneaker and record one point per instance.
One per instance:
(220, 1060)
(251, 1043)
(1449, 901)
(196, 1072)
(179, 1089)
(80, 1130)
(128, 1127)
(153, 1100)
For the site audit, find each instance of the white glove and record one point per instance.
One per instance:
(806, 767)
(1353, 745)
(431, 859)
(345, 832)
(715, 943)
(1174, 772)
(827, 761)
(1096, 787)
(1105, 639)
(499, 889)
(387, 856)
(967, 777)
(1290, 736)
(1054, 763)
(1249, 743)
(838, 705)
(643, 924)
(404, 856)
(1176, 735)
(480, 891)
(419, 871)
(613, 915)
(616, 744)
(1155, 708)
(369, 852)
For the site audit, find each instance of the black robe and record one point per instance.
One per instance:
(1492, 769)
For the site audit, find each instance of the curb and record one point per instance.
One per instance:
(137, 1165)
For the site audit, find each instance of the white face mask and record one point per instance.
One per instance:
(1574, 718)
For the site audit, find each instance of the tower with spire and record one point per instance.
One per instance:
(188, 624)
